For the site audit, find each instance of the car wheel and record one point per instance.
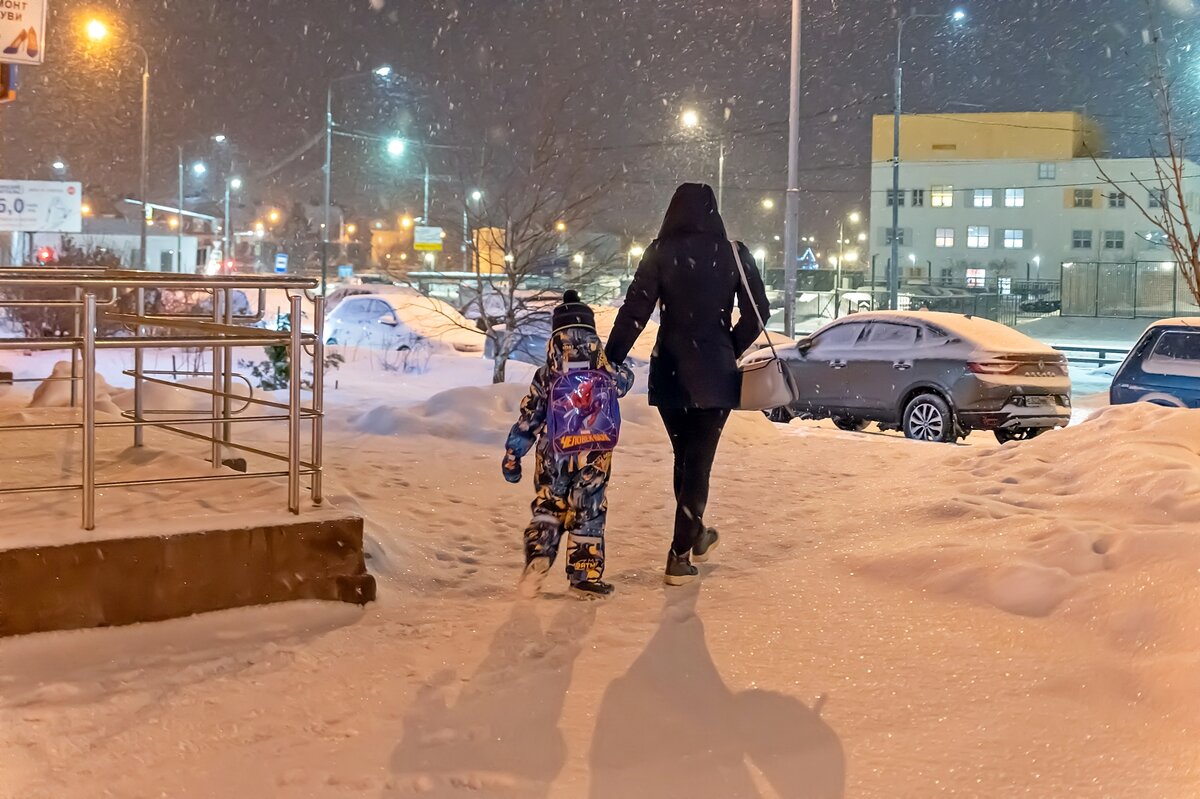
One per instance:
(928, 418)
(779, 415)
(1018, 434)
(850, 424)
(331, 342)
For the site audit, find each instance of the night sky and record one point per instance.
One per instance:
(467, 69)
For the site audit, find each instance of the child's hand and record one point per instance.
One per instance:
(512, 468)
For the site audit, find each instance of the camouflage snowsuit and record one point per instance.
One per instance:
(570, 489)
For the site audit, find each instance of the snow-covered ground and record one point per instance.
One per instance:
(883, 619)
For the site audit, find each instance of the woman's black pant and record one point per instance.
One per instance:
(695, 434)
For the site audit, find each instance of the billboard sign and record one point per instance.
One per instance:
(23, 31)
(40, 206)
(427, 239)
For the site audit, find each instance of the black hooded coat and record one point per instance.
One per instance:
(690, 271)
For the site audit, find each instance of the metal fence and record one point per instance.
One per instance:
(1135, 290)
(92, 295)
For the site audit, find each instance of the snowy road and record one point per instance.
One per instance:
(884, 619)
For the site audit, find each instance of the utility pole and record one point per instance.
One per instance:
(791, 222)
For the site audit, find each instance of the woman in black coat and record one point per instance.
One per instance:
(690, 273)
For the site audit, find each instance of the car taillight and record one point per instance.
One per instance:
(993, 367)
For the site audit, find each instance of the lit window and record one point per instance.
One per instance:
(1084, 198)
(1114, 239)
(1014, 198)
(942, 197)
(891, 197)
(899, 239)
(1014, 239)
(982, 198)
(1047, 171)
(918, 198)
(979, 237)
(1081, 239)
(1116, 200)
(976, 278)
(944, 237)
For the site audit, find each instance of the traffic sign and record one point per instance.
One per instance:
(808, 260)
(40, 206)
(281, 263)
(23, 31)
(425, 239)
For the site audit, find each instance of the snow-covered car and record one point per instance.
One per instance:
(1164, 367)
(398, 319)
(935, 376)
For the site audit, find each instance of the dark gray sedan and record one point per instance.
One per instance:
(934, 376)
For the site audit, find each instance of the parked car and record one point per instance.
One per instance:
(1164, 367)
(934, 376)
(400, 319)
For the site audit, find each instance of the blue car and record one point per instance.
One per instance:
(1164, 367)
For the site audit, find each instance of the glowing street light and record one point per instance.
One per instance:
(690, 119)
(273, 216)
(560, 226)
(351, 229)
(395, 147)
(59, 166)
(405, 222)
(199, 168)
(959, 15)
(862, 237)
(637, 251)
(855, 217)
(760, 255)
(86, 210)
(768, 204)
(852, 257)
(477, 195)
(220, 138)
(384, 71)
(96, 30)
(579, 259)
(235, 184)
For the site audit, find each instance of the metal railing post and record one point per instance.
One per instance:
(89, 411)
(138, 367)
(216, 383)
(227, 428)
(294, 377)
(318, 399)
(75, 312)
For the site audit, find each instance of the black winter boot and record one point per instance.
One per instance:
(705, 544)
(680, 570)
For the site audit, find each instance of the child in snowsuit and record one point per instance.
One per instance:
(570, 488)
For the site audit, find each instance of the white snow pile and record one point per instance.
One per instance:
(485, 415)
(55, 392)
(1060, 519)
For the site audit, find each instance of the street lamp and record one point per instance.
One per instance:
(380, 72)
(690, 120)
(894, 263)
(768, 204)
(59, 166)
(475, 196)
(199, 168)
(853, 218)
(395, 147)
(760, 256)
(636, 251)
(97, 31)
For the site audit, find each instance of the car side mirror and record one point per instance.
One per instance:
(388, 322)
(804, 345)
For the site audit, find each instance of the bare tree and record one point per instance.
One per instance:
(1165, 201)
(533, 225)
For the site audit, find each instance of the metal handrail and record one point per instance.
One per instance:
(220, 333)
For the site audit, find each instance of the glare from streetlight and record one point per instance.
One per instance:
(690, 118)
(912, 256)
(351, 229)
(395, 147)
(273, 216)
(59, 166)
(579, 258)
(96, 30)
(405, 222)
(199, 168)
(235, 184)
(959, 15)
(760, 255)
(862, 236)
(477, 195)
(384, 71)
(85, 209)
(768, 203)
(637, 251)
(855, 218)
(560, 226)
(219, 138)
(852, 256)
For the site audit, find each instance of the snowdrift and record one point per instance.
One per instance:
(1064, 519)
(485, 415)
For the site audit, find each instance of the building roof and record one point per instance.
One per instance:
(1028, 136)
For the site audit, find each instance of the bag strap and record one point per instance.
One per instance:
(762, 325)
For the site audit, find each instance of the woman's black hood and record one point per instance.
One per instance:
(693, 211)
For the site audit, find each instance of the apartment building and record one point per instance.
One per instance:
(993, 197)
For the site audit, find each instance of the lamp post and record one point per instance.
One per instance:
(791, 219)
(97, 31)
(381, 72)
(636, 251)
(894, 263)
(474, 196)
(854, 218)
(690, 120)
